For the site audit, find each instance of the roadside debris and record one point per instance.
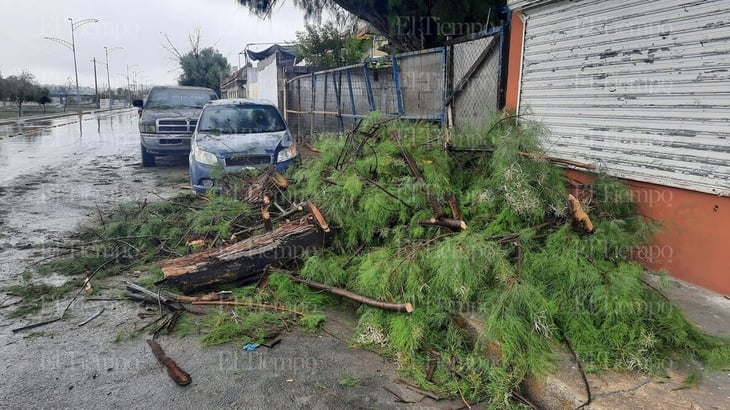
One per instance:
(177, 374)
(428, 242)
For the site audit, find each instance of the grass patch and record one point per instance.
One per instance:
(348, 381)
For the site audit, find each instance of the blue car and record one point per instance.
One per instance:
(236, 134)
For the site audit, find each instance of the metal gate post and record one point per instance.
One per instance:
(352, 97)
(396, 80)
(368, 86)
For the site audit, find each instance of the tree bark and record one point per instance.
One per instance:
(245, 261)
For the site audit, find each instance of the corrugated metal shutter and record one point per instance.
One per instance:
(641, 87)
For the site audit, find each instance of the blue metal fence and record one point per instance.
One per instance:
(416, 85)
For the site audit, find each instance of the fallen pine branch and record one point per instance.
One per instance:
(177, 374)
(394, 307)
(250, 304)
(532, 155)
(63, 314)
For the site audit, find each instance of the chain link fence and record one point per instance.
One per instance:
(462, 78)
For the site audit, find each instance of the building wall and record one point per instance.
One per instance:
(267, 80)
(690, 196)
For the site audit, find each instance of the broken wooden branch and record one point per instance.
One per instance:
(418, 390)
(223, 295)
(318, 216)
(177, 374)
(416, 172)
(455, 211)
(268, 226)
(251, 304)
(97, 314)
(448, 223)
(245, 261)
(580, 217)
(394, 307)
(142, 294)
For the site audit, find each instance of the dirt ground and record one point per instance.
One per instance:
(60, 173)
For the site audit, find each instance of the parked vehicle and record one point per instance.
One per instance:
(236, 134)
(168, 118)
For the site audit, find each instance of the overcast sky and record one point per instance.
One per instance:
(135, 25)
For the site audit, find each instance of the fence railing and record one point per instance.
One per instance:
(459, 84)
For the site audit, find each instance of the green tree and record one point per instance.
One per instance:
(22, 88)
(328, 47)
(201, 67)
(44, 97)
(407, 24)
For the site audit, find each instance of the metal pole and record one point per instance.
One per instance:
(129, 90)
(96, 86)
(76, 70)
(108, 79)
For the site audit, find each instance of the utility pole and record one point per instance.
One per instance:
(96, 86)
(129, 87)
(107, 51)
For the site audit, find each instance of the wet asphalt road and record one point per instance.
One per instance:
(56, 174)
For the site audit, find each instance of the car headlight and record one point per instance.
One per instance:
(150, 128)
(287, 153)
(204, 157)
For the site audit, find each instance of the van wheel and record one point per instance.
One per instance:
(148, 160)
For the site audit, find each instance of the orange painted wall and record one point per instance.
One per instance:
(694, 241)
(514, 63)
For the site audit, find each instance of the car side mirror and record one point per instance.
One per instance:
(137, 103)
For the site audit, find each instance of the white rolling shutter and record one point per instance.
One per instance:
(640, 87)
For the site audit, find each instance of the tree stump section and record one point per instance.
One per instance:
(245, 261)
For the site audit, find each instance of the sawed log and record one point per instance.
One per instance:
(177, 374)
(245, 261)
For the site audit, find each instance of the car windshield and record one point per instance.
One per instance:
(163, 99)
(241, 119)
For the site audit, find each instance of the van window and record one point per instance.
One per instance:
(164, 99)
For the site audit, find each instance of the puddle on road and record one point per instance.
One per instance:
(71, 180)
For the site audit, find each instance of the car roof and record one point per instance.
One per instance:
(239, 101)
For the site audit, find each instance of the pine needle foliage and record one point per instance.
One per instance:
(520, 268)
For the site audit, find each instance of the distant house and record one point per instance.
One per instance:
(642, 89)
(267, 79)
(235, 84)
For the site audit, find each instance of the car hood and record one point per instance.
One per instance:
(153, 114)
(227, 144)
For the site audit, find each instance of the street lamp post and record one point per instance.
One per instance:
(129, 89)
(107, 51)
(72, 47)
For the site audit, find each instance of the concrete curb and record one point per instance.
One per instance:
(57, 115)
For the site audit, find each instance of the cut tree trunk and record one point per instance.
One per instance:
(245, 261)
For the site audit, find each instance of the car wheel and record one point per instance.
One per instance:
(148, 160)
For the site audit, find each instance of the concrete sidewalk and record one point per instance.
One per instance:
(708, 311)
